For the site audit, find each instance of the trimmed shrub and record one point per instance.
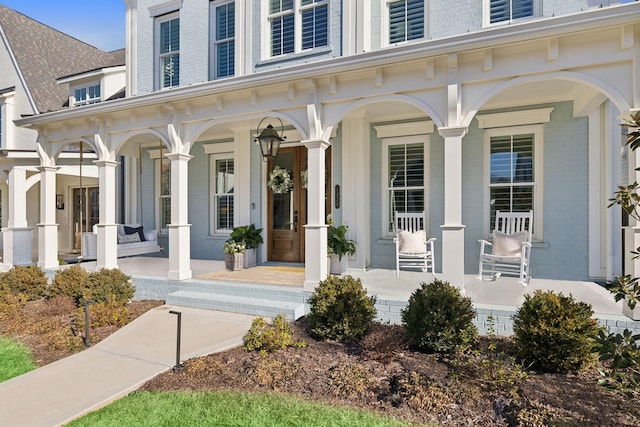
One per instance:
(109, 285)
(72, 282)
(555, 332)
(340, 310)
(350, 380)
(438, 319)
(268, 338)
(29, 280)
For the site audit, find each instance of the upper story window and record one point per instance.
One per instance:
(298, 25)
(168, 48)
(406, 20)
(86, 95)
(223, 61)
(509, 10)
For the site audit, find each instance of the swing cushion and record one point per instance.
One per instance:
(134, 230)
(128, 238)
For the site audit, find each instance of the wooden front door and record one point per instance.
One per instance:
(288, 208)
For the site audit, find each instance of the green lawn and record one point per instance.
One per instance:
(225, 409)
(15, 359)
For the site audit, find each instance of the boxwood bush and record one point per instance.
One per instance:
(340, 310)
(438, 319)
(555, 332)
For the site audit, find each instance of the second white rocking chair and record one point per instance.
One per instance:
(511, 245)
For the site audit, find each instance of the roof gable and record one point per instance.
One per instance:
(44, 54)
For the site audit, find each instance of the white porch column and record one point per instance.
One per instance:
(315, 268)
(453, 229)
(107, 254)
(48, 228)
(17, 236)
(179, 229)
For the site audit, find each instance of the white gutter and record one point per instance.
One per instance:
(542, 28)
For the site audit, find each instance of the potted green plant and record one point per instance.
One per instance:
(233, 254)
(627, 288)
(338, 246)
(252, 238)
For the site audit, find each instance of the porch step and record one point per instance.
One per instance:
(236, 304)
(243, 290)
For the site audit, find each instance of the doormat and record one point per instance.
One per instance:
(287, 269)
(268, 275)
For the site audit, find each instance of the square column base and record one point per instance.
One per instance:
(48, 246)
(179, 252)
(16, 243)
(453, 255)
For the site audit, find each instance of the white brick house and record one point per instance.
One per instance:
(388, 105)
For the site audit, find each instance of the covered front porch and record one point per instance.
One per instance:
(250, 292)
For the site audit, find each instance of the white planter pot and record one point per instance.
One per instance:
(337, 266)
(632, 314)
(250, 258)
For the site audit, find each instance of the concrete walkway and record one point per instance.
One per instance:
(64, 390)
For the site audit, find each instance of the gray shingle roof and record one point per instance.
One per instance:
(44, 54)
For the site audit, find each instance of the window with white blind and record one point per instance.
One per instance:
(498, 11)
(168, 48)
(406, 20)
(298, 25)
(223, 31)
(222, 193)
(404, 178)
(514, 169)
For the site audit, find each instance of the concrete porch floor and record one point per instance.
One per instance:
(503, 292)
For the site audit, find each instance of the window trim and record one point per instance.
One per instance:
(402, 140)
(538, 143)
(213, 58)
(486, 14)
(221, 153)
(158, 56)
(298, 8)
(386, 25)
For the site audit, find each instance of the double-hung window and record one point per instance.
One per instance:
(404, 161)
(509, 10)
(514, 162)
(224, 40)
(86, 95)
(222, 194)
(298, 25)
(168, 34)
(406, 20)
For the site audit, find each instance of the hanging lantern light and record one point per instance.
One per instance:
(269, 140)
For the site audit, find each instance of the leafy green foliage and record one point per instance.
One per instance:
(438, 319)
(633, 137)
(340, 309)
(555, 332)
(622, 351)
(267, 338)
(626, 288)
(248, 234)
(337, 242)
(29, 281)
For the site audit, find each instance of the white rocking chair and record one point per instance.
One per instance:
(511, 247)
(413, 249)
